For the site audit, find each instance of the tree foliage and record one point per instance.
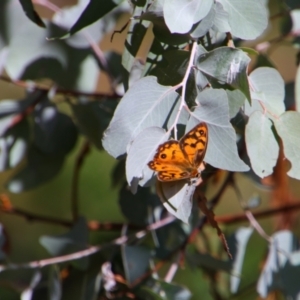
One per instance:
(206, 61)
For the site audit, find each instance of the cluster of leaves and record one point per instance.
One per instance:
(194, 72)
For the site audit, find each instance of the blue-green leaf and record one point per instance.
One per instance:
(287, 127)
(140, 152)
(248, 19)
(228, 65)
(145, 104)
(267, 87)
(221, 149)
(74, 240)
(262, 146)
(136, 262)
(181, 15)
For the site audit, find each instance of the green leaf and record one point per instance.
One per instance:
(54, 283)
(39, 169)
(287, 127)
(74, 240)
(54, 132)
(35, 280)
(297, 89)
(3, 241)
(181, 15)
(14, 144)
(94, 11)
(228, 65)
(88, 74)
(208, 261)
(92, 118)
(241, 238)
(92, 284)
(172, 290)
(221, 149)
(177, 198)
(139, 207)
(137, 32)
(292, 4)
(162, 290)
(35, 49)
(267, 86)
(144, 105)
(94, 33)
(136, 261)
(31, 13)
(172, 67)
(221, 22)
(236, 100)
(202, 27)
(162, 32)
(277, 273)
(169, 238)
(247, 19)
(262, 146)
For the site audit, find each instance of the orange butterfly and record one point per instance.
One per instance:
(176, 160)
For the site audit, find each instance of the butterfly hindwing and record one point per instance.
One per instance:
(170, 162)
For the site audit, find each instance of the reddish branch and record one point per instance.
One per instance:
(65, 92)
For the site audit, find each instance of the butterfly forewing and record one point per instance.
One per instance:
(194, 144)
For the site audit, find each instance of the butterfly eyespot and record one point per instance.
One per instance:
(201, 132)
(163, 156)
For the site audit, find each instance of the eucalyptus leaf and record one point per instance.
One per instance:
(92, 117)
(177, 198)
(287, 127)
(54, 283)
(267, 87)
(247, 19)
(228, 65)
(54, 132)
(144, 105)
(140, 152)
(241, 238)
(262, 147)
(138, 208)
(93, 11)
(39, 169)
(221, 148)
(181, 15)
(136, 262)
(32, 40)
(93, 32)
(235, 101)
(14, 145)
(273, 275)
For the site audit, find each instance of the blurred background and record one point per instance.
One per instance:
(98, 199)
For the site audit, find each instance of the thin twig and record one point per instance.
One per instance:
(89, 251)
(237, 218)
(65, 92)
(249, 214)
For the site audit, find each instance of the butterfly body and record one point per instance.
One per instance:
(176, 160)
